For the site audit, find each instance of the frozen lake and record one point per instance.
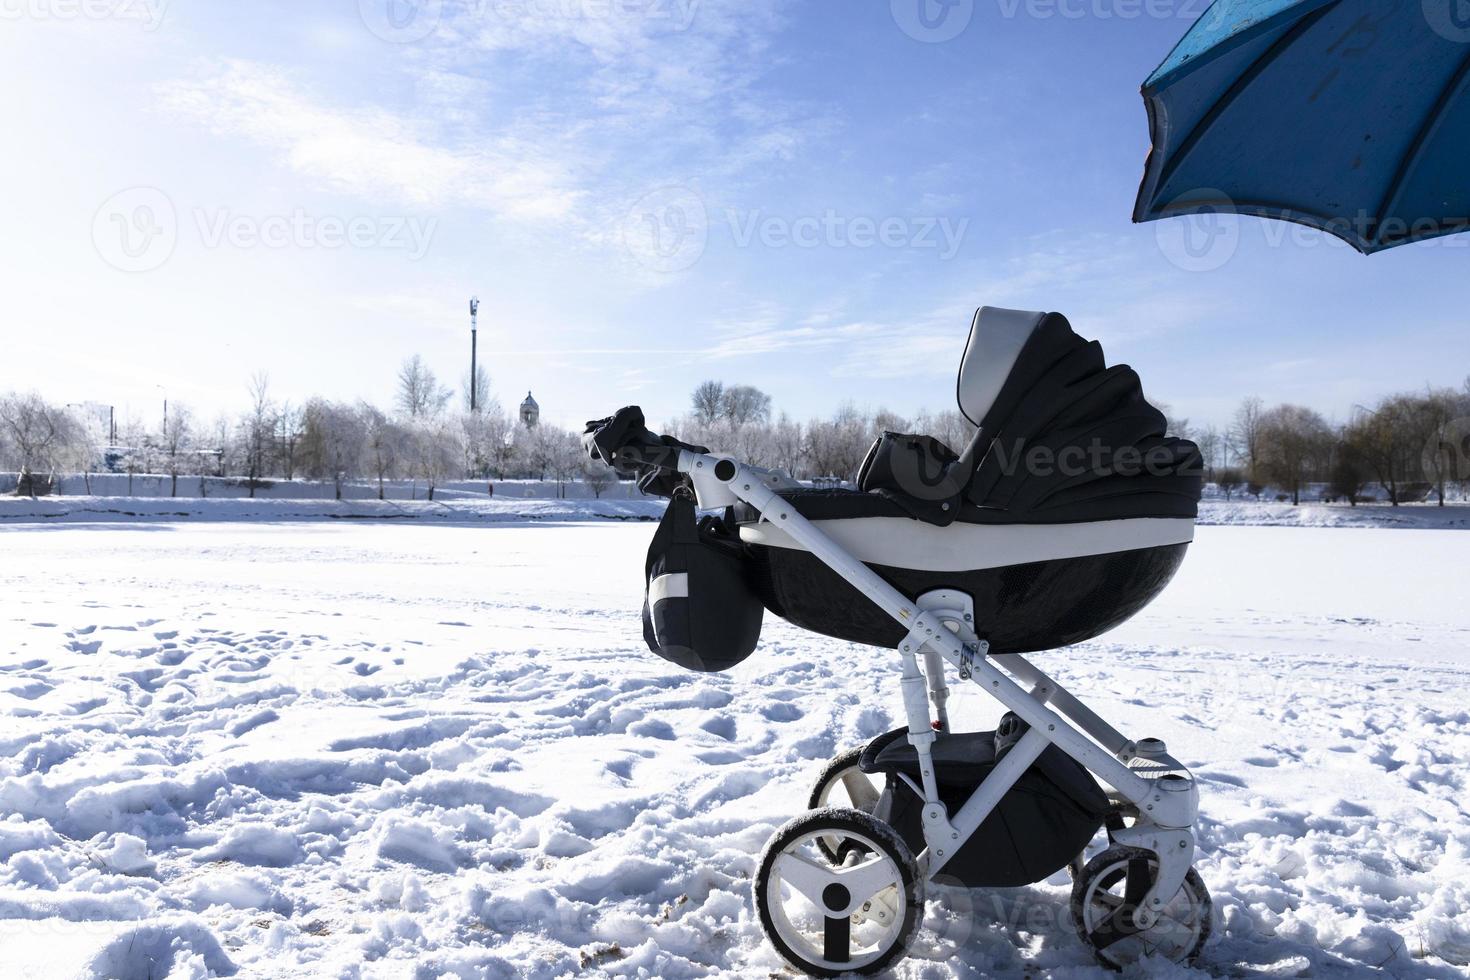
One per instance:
(379, 750)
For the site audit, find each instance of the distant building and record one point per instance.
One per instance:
(530, 412)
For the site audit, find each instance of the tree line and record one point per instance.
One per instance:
(1409, 445)
(420, 437)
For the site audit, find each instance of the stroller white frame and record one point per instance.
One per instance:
(939, 626)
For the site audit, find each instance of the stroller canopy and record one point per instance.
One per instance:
(1063, 437)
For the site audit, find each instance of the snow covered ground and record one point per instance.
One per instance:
(413, 749)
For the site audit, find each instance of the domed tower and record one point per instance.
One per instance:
(530, 412)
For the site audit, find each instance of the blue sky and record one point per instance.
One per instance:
(808, 197)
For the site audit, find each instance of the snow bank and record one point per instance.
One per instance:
(506, 508)
(483, 510)
(1260, 514)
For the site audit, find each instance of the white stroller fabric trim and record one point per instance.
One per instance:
(674, 585)
(996, 339)
(900, 542)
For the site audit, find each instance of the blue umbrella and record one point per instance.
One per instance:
(1351, 116)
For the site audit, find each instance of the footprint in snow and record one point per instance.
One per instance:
(723, 727)
(782, 711)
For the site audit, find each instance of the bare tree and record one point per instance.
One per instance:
(420, 395)
(835, 447)
(745, 405)
(1229, 479)
(1246, 435)
(289, 428)
(1174, 425)
(1389, 441)
(1438, 411)
(175, 441)
(481, 395)
(564, 457)
(599, 477)
(387, 444)
(1293, 440)
(482, 431)
(1348, 475)
(334, 439)
(137, 452)
(436, 451)
(256, 429)
(1209, 442)
(708, 402)
(38, 437)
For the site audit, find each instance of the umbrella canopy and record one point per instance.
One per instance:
(1351, 116)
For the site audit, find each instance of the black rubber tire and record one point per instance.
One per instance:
(838, 820)
(1112, 856)
(847, 760)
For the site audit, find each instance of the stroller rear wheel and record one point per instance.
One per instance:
(1107, 891)
(828, 920)
(842, 784)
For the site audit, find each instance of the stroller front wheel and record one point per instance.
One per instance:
(826, 920)
(1103, 901)
(842, 784)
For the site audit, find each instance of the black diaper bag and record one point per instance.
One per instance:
(699, 610)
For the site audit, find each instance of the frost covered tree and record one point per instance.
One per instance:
(257, 428)
(333, 442)
(745, 405)
(436, 451)
(175, 444)
(835, 446)
(420, 395)
(598, 476)
(482, 431)
(37, 439)
(481, 398)
(386, 444)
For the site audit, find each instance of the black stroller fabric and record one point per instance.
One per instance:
(1040, 825)
(624, 442)
(1062, 400)
(1066, 439)
(699, 610)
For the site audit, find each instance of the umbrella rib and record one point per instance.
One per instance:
(1411, 159)
(1236, 88)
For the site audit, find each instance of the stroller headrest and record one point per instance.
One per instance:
(996, 339)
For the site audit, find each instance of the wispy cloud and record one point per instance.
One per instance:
(371, 151)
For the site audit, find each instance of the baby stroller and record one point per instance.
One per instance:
(1069, 511)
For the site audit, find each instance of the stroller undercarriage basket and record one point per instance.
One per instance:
(1040, 825)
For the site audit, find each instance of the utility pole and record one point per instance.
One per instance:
(474, 340)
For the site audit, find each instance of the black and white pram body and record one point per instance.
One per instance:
(1067, 513)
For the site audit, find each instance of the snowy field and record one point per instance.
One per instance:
(412, 749)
